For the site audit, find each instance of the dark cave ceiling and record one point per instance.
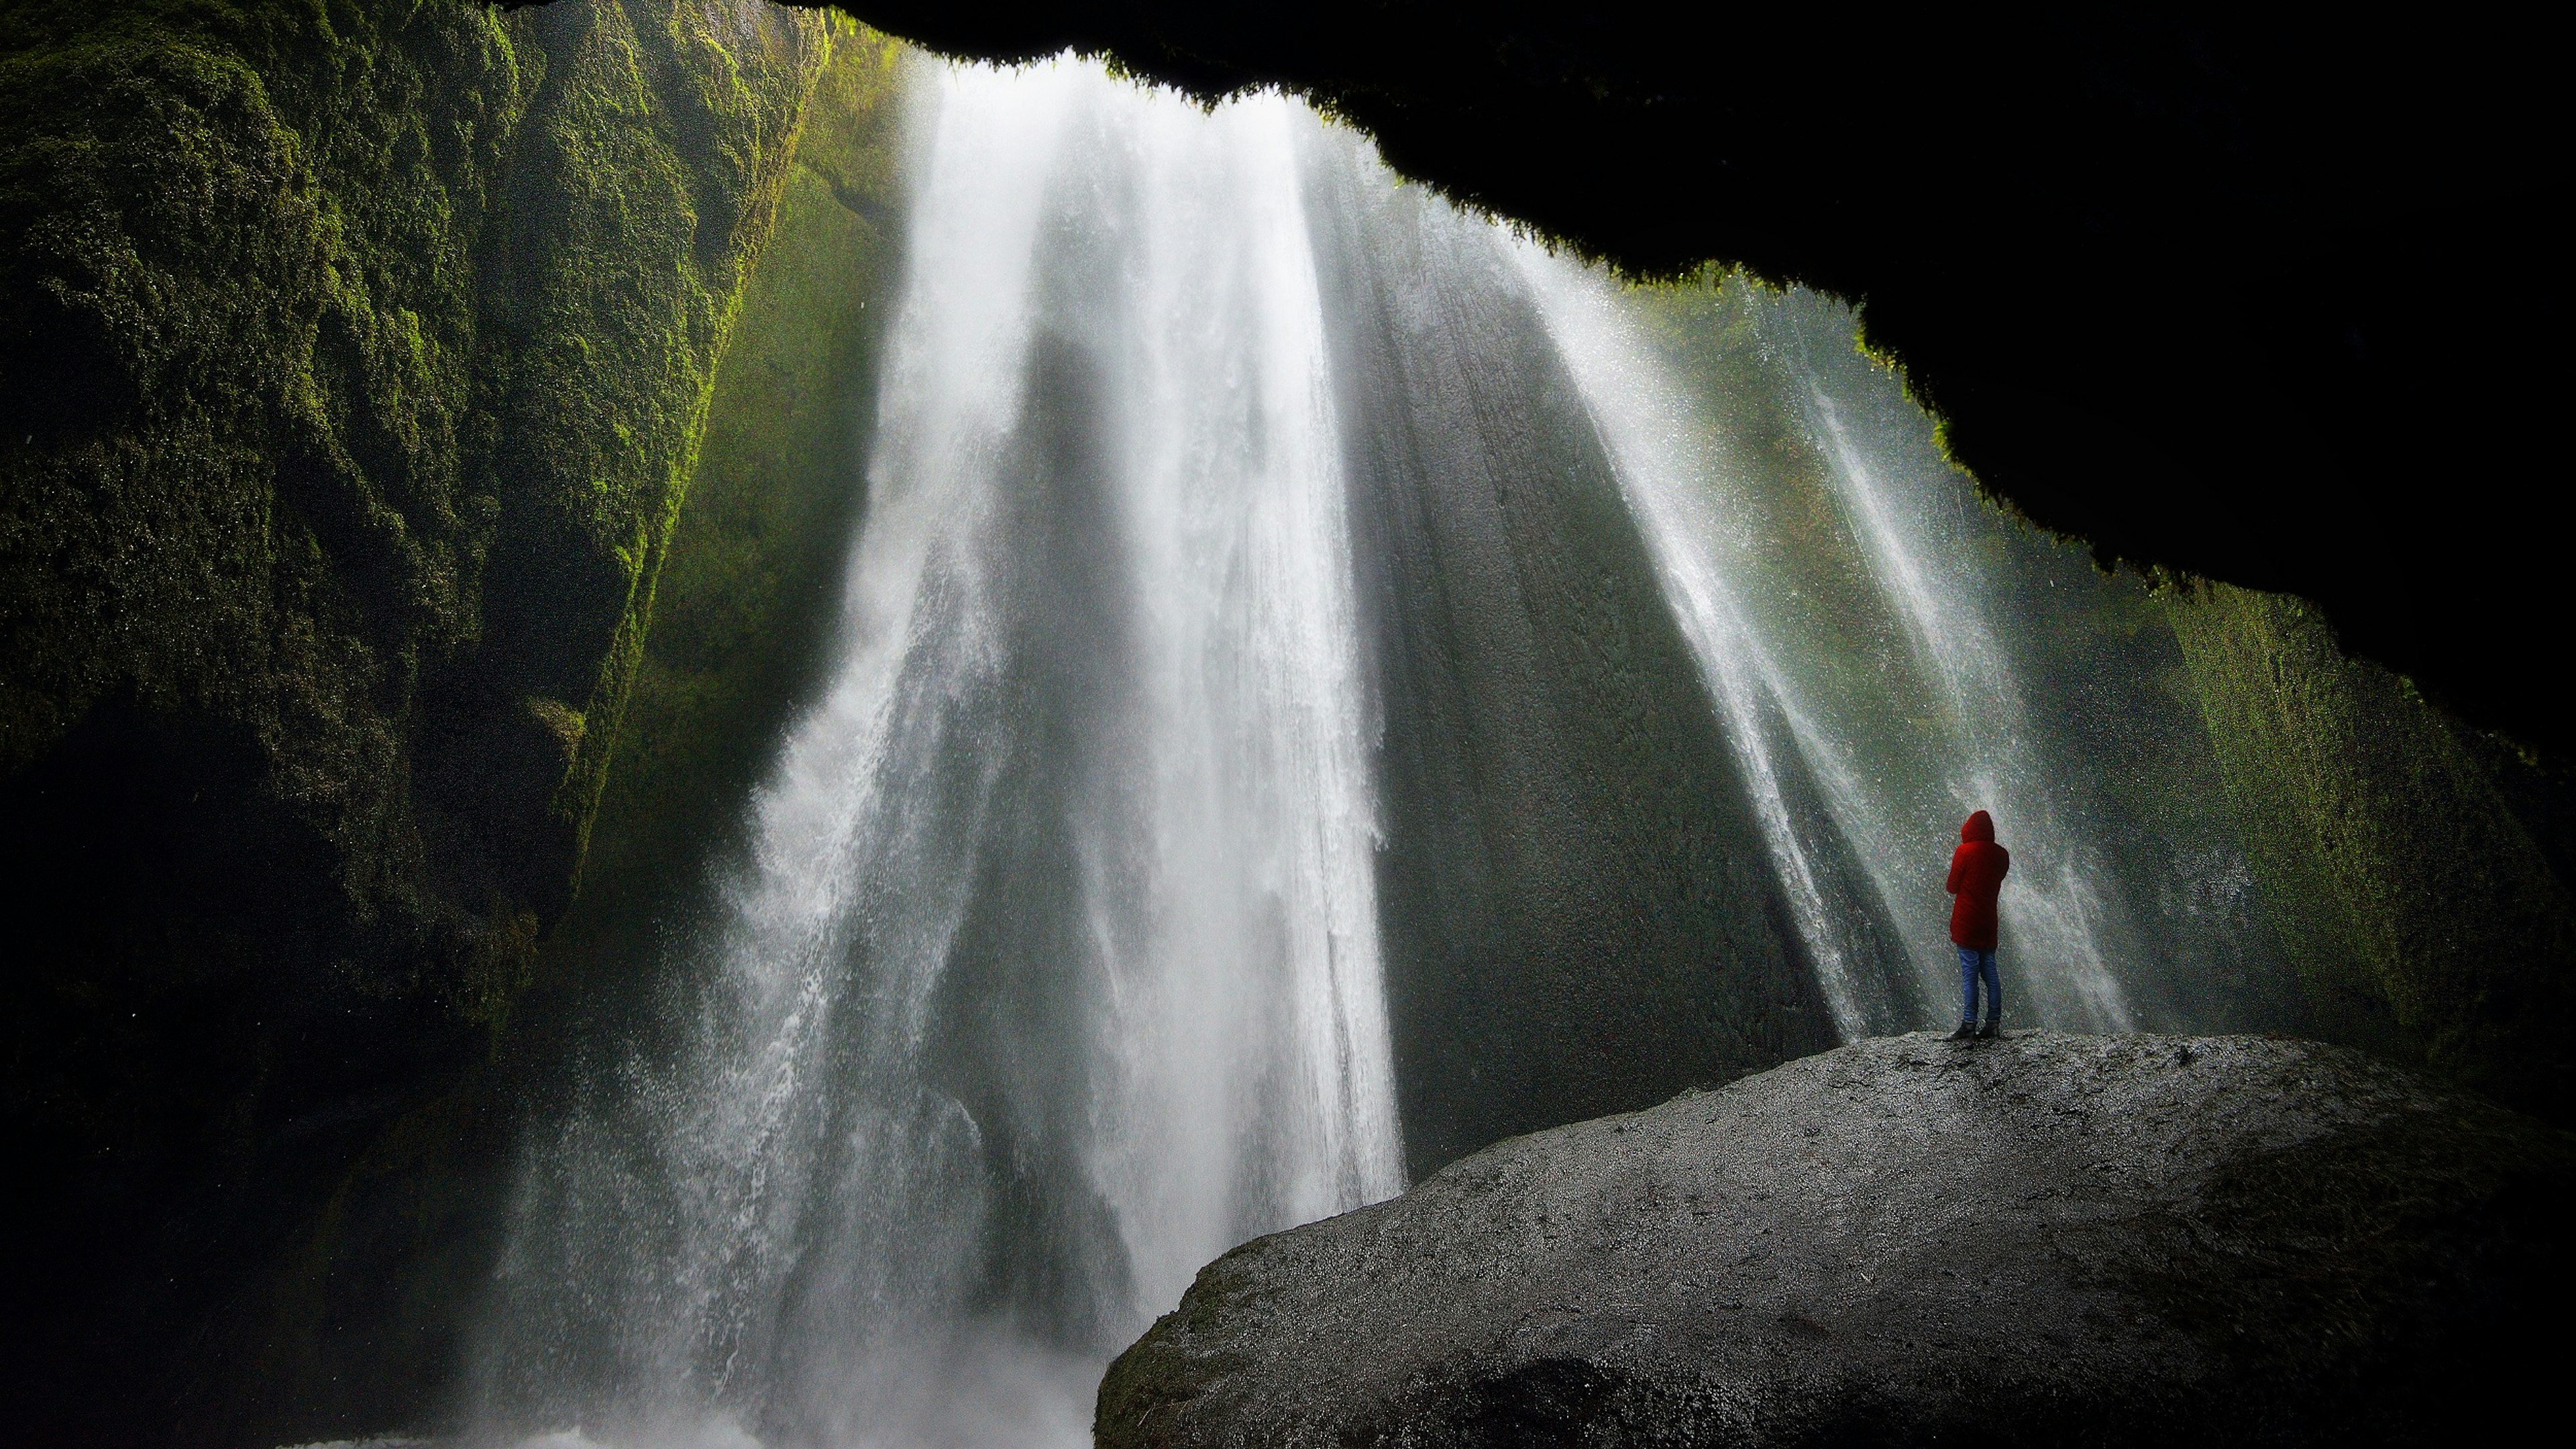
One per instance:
(2265, 297)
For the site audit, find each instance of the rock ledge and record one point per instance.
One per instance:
(2048, 1239)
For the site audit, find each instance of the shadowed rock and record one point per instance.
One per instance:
(2047, 1239)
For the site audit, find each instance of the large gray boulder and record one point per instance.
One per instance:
(2047, 1239)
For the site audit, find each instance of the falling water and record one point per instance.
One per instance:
(1055, 969)
(2058, 913)
(1930, 555)
(1305, 652)
(1665, 465)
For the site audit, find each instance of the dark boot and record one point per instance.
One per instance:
(1966, 1030)
(1991, 1028)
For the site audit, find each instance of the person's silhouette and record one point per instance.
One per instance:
(1976, 874)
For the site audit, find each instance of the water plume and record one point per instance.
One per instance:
(1054, 968)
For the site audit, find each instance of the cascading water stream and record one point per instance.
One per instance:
(1054, 972)
(1665, 469)
(2057, 913)
(1676, 469)
(1305, 652)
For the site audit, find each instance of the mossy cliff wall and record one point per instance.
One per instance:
(2417, 869)
(752, 587)
(353, 360)
(364, 1327)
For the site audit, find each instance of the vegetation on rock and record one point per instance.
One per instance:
(380, 1293)
(751, 589)
(353, 357)
(2418, 868)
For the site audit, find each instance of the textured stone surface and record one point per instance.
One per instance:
(353, 364)
(2045, 1239)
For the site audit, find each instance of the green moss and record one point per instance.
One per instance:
(1167, 1367)
(651, 171)
(2425, 916)
(750, 587)
(743, 587)
(353, 360)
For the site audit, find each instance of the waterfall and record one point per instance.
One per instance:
(1054, 971)
(1664, 467)
(2058, 910)
(1931, 557)
(1322, 685)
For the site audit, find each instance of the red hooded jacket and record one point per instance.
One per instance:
(1976, 872)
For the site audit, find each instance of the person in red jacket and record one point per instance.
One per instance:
(1976, 874)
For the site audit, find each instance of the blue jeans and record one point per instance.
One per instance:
(1974, 963)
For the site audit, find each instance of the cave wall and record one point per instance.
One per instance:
(356, 363)
(2105, 713)
(371, 1317)
(1575, 914)
(2418, 870)
(751, 592)
(353, 362)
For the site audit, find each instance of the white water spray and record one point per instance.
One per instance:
(2057, 915)
(1054, 971)
(1663, 463)
(1678, 473)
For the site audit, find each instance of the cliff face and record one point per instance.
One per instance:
(751, 592)
(2041, 1240)
(367, 1323)
(353, 359)
(2418, 870)
(1575, 914)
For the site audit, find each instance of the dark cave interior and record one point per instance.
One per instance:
(2225, 290)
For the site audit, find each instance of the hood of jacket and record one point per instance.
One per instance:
(1980, 826)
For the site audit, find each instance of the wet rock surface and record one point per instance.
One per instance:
(2044, 1239)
